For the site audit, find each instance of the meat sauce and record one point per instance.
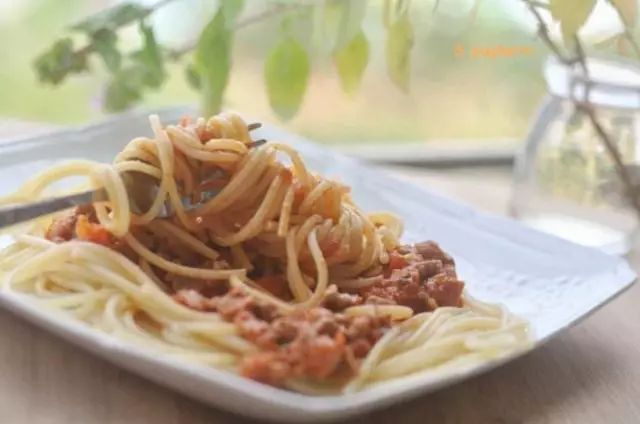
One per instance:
(315, 343)
(318, 343)
(81, 224)
(323, 342)
(421, 276)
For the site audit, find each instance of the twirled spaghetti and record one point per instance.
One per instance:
(275, 273)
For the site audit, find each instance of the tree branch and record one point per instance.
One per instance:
(543, 32)
(258, 17)
(539, 4)
(88, 48)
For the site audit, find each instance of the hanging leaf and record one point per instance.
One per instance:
(150, 58)
(351, 21)
(104, 43)
(231, 10)
(60, 60)
(628, 10)
(212, 62)
(572, 14)
(144, 69)
(336, 22)
(120, 95)
(398, 50)
(351, 62)
(112, 18)
(286, 73)
(192, 76)
(125, 88)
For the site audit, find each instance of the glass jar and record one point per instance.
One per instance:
(565, 181)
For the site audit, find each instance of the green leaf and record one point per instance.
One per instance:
(286, 73)
(60, 60)
(104, 43)
(351, 62)
(212, 61)
(336, 22)
(398, 51)
(145, 69)
(193, 78)
(150, 58)
(125, 88)
(112, 18)
(628, 10)
(572, 14)
(118, 97)
(231, 10)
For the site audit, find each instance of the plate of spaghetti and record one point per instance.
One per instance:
(258, 272)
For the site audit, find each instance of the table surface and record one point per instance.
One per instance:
(590, 374)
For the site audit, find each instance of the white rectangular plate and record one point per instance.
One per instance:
(549, 282)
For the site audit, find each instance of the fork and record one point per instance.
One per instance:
(15, 214)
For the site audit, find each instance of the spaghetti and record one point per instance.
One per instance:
(275, 274)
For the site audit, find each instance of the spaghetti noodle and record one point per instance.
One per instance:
(275, 274)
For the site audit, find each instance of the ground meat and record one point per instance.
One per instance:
(81, 224)
(266, 367)
(431, 250)
(228, 303)
(360, 347)
(315, 343)
(93, 232)
(322, 342)
(327, 326)
(445, 290)
(429, 268)
(276, 285)
(427, 279)
(377, 300)
(62, 229)
(231, 304)
(338, 302)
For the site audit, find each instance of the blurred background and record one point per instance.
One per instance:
(458, 96)
(454, 94)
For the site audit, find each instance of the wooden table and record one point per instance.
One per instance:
(590, 374)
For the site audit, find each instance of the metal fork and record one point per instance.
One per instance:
(14, 214)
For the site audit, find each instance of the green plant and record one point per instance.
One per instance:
(334, 28)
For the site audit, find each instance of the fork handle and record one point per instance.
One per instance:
(15, 214)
